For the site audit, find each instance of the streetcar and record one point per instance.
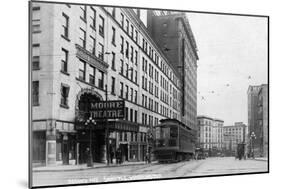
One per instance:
(174, 141)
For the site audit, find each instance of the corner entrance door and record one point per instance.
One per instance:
(124, 151)
(65, 154)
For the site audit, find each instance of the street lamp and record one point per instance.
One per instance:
(90, 122)
(252, 136)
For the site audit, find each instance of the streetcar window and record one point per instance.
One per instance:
(174, 132)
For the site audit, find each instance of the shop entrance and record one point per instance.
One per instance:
(65, 153)
(97, 140)
(98, 146)
(124, 152)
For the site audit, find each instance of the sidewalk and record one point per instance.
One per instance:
(58, 168)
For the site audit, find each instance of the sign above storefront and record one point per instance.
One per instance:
(108, 109)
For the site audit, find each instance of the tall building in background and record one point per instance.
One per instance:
(83, 54)
(173, 34)
(210, 134)
(258, 119)
(233, 135)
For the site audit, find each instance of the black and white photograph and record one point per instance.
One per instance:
(123, 94)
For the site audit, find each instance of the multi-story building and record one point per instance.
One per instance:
(172, 33)
(210, 134)
(258, 119)
(233, 135)
(83, 54)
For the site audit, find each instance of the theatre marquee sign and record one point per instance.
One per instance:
(108, 109)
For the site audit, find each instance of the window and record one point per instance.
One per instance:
(136, 117)
(136, 96)
(64, 60)
(35, 93)
(122, 67)
(127, 70)
(100, 79)
(127, 49)
(92, 75)
(83, 13)
(121, 89)
(143, 64)
(65, 26)
(93, 18)
(136, 57)
(136, 76)
(93, 45)
(136, 36)
(101, 26)
(82, 69)
(36, 26)
(131, 116)
(35, 62)
(132, 53)
(113, 12)
(112, 85)
(132, 31)
(64, 95)
(82, 38)
(122, 20)
(132, 73)
(122, 45)
(127, 92)
(132, 94)
(113, 61)
(127, 26)
(101, 52)
(113, 36)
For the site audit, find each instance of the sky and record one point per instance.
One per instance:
(232, 55)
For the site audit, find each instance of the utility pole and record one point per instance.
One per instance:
(106, 129)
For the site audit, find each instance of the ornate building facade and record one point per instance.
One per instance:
(83, 54)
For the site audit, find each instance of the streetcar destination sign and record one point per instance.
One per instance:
(108, 109)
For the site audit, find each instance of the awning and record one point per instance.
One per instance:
(119, 125)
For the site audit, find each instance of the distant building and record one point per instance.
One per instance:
(258, 119)
(233, 135)
(210, 133)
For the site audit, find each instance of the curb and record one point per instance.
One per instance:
(260, 159)
(87, 168)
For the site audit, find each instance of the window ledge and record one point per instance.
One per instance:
(93, 27)
(37, 104)
(101, 34)
(64, 72)
(64, 106)
(66, 38)
(83, 19)
(35, 69)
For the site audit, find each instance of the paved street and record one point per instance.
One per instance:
(210, 166)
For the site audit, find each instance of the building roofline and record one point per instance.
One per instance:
(204, 116)
(143, 28)
(208, 117)
(189, 33)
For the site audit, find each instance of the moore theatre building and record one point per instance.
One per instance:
(86, 54)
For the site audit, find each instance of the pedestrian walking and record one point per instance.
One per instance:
(118, 156)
